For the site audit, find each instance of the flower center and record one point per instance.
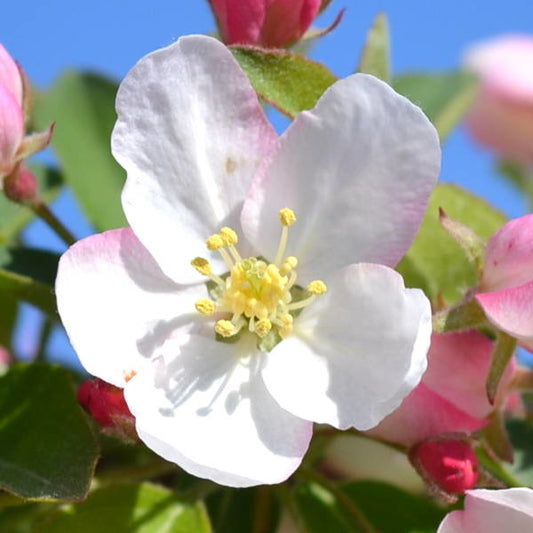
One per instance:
(255, 295)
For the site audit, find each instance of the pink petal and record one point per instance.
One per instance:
(424, 414)
(10, 75)
(511, 310)
(509, 256)
(11, 130)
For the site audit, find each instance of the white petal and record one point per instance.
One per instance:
(209, 411)
(357, 170)
(190, 133)
(356, 352)
(117, 306)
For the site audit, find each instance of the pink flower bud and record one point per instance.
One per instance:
(106, 404)
(21, 186)
(447, 464)
(10, 76)
(502, 116)
(269, 23)
(11, 130)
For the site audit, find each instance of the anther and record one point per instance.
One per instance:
(287, 216)
(290, 263)
(225, 328)
(215, 242)
(205, 307)
(263, 327)
(317, 287)
(228, 236)
(201, 265)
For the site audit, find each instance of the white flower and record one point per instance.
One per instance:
(356, 171)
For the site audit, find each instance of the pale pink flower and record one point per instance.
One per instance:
(269, 23)
(506, 289)
(201, 157)
(451, 397)
(501, 118)
(492, 511)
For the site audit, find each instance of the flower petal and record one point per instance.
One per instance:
(357, 170)
(356, 352)
(492, 511)
(509, 256)
(11, 130)
(10, 76)
(117, 306)
(208, 410)
(190, 133)
(511, 310)
(424, 414)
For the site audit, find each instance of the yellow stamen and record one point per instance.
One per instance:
(263, 327)
(290, 263)
(205, 307)
(317, 287)
(215, 242)
(228, 236)
(202, 265)
(287, 216)
(225, 328)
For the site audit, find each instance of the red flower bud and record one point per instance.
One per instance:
(450, 464)
(21, 186)
(106, 404)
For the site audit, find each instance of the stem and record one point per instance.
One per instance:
(352, 509)
(44, 335)
(44, 212)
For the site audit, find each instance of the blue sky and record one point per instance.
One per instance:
(109, 36)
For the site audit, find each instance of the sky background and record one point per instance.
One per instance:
(110, 36)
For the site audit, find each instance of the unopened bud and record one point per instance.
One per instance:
(21, 186)
(106, 404)
(446, 464)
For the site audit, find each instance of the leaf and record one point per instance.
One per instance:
(83, 107)
(23, 518)
(41, 265)
(290, 82)
(444, 98)
(27, 289)
(521, 435)
(391, 510)
(375, 58)
(8, 317)
(143, 508)
(13, 217)
(47, 450)
(435, 262)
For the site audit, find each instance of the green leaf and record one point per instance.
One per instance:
(13, 217)
(41, 265)
(24, 518)
(375, 58)
(47, 448)
(391, 510)
(8, 317)
(143, 508)
(290, 82)
(83, 107)
(521, 435)
(444, 98)
(24, 288)
(435, 262)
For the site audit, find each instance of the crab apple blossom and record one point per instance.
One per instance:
(506, 289)
(501, 118)
(451, 397)
(269, 23)
(492, 511)
(253, 293)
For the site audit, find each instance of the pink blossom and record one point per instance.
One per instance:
(269, 23)
(15, 145)
(451, 397)
(506, 289)
(492, 511)
(502, 116)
